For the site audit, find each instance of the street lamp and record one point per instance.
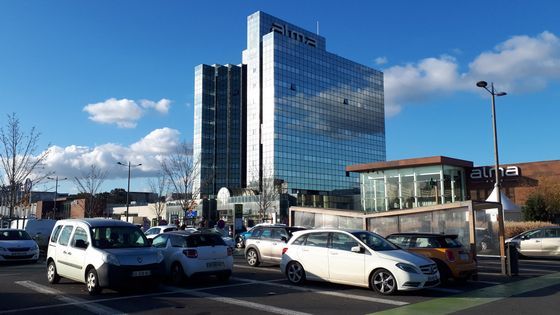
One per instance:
(56, 179)
(128, 187)
(501, 236)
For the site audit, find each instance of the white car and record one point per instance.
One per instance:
(156, 230)
(101, 253)
(17, 245)
(187, 255)
(543, 242)
(355, 257)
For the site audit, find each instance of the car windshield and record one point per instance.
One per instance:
(14, 235)
(375, 241)
(118, 237)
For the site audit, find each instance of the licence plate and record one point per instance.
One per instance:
(215, 264)
(141, 273)
(19, 253)
(432, 278)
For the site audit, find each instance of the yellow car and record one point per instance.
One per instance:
(452, 259)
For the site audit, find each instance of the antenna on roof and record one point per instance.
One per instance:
(317, 27)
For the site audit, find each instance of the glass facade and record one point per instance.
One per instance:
(310, 113)
(412, 187)
(219, 128)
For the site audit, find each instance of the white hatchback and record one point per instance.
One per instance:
(356, 257)
(188, 255)
(101, 253)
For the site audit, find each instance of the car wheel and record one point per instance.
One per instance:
(295, 273)
(252, 258)
(444, 271)
(177, 274)
(92, 282)
(383, 282)
(52, 275)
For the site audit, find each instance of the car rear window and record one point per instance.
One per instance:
(452, 242)
(199, 240)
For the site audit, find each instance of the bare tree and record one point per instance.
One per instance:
(269, 190)
(18, 160)
(181, 170)
(88, 185)
(159, 185)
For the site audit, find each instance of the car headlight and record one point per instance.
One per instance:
(159, 256)
(111, 259)
(407, 268)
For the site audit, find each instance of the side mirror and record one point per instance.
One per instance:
(357, 249)
(284, 239)
(81, 244)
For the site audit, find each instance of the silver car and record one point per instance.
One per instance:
(543, 242)
(266, 243)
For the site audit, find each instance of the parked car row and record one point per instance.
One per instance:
(111, 253)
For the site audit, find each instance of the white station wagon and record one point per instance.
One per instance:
(101, 253)
(360, 258)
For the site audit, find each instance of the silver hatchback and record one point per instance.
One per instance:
(266, 243)
(543, 242)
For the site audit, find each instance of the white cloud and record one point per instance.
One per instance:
(161, 106)
(520, 64)
(124, 113)
(73, 161)
(381, 60)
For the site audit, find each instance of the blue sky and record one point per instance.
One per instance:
(107, 81)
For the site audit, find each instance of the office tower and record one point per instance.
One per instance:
(310, 113)
(219, 128)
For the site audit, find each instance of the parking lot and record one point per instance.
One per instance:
(265, 290)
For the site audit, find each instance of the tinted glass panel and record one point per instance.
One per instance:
(14, 235)
(317, 239)
(343, 241)
(118, 237)
(55, 234)
(198, 240)
(160, 241)
(80, 234)
(374, 241)
(65, 235)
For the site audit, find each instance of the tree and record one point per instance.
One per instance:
(180, 168)
(268, 190)
(88, 185)
(543, 203)
(159, 186)
(19, 160)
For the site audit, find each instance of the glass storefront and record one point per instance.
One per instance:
(412, 187)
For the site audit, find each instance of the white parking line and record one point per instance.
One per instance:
(325, 292)
(81, 303)
(487, 282)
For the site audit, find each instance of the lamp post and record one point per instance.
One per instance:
(56, 179)
(501, 236)
(128, 187)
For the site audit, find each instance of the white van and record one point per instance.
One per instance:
(102, 253)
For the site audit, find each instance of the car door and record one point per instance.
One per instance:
(265, 244)
(63, 261)
(531, 243)
(313, 255)
(279, 235)
(550, 242)
(76, 254)
(344, 265)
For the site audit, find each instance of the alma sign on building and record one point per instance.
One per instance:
(485, 172)
(284, 30)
